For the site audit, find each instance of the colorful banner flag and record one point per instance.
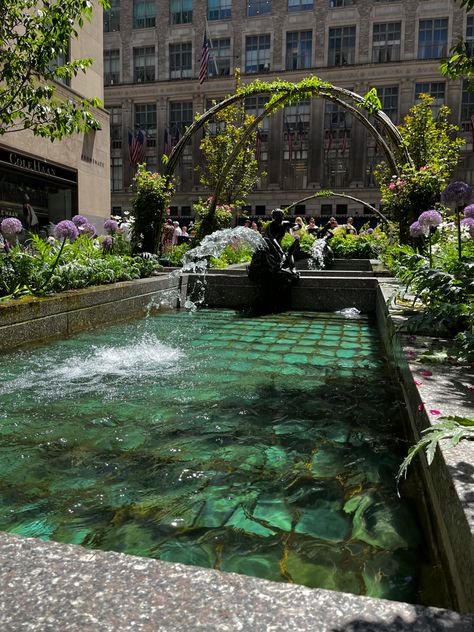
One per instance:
(289, 138)
(258, 145)
(205, 57)
(167, 143)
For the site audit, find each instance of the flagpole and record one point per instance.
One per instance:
(211, 46)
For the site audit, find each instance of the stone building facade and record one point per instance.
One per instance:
(69, 176)
(152, 51)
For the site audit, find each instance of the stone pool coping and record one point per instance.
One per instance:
(51, 586)
(60, 587)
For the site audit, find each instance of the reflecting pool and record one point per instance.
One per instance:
(265, 446)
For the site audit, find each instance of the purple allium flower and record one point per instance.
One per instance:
(11, 225)
(416, 230)
(469, 223)
(370, 231)
(469, 211)
(79, 220)
(430, 219)
(457, 192)
(66, 230)
(87, 229)
(107, 242)
(111, 226)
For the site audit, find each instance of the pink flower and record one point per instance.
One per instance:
(434, 412)
(418, 383)
(470, 388)
(412, 354)
(391, 186)
(421, 406)
(425, 373)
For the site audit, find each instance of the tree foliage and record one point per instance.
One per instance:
(34, 42)
(434, 149)
(152, 197)
(222, 135)
(461, 62)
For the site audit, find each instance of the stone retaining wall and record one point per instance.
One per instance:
(35, 319)
(449, 479)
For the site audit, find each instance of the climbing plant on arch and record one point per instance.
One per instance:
(386, 134)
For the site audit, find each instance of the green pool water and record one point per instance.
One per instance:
(265, 446)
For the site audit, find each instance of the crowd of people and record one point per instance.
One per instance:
(311, 228)
(175, 235)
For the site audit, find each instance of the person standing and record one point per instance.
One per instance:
(29, 215)
(349, 227)
(176, 233)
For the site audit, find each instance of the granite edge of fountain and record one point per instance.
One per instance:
(56, 587)
(433, 391)
(32, 319)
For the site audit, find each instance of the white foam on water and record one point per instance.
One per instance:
(144, 358)
(349, 312)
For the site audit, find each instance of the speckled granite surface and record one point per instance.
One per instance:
(51, 587)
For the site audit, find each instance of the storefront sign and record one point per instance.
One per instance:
(34, 165)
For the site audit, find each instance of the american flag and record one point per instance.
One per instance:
(345, 134)
(289, 138)
(168, 143)
(205, 57)
(136, 147)
(258, 145)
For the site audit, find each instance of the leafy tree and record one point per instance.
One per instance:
(434, 150)
(461, 62)
(34, 39)
(152, 197)
(230, 125)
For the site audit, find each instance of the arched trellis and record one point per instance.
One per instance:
(285, 92)
(327, 194)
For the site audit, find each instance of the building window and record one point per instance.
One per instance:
(432, 38)
(467, 108)
(337, 142)
(469, 39)
(112, 17)
(181, 11)
(219, 62)
(299, 46)
(116, 174)
(342, 46)
(111, 67)
(296, 120)
(300, 5)
(115, 127)
(436, 89)
(334, 4)
(257, 53)
(386, 42)
(388, 96)
(144, 64)
(151, 163)
(219, 9)
(255, 106)
(181, 117)
(144, 14)
(145, 120)
(181, 63)
(258, 7)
